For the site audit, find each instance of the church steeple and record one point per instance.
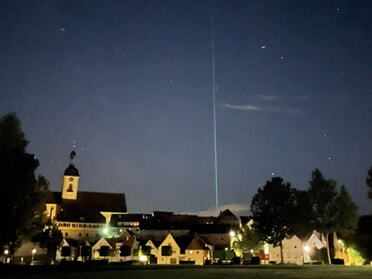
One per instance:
(70, 180)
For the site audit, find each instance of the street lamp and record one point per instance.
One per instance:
(33, 255)
(232, 235)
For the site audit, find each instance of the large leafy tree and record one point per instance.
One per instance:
(332, 210)
(369, 182)
(49, 237)
(246, 240)
(347, 214)
(22, 194)
(362, 236)
(302, 218)
(273, 208)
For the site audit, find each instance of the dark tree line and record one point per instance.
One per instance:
(369, 182)
(280, 211)
(22, 194)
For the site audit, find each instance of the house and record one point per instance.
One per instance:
(179, 250)
(128, 221)
(121, 249)
(104, 249)
(152, 251)
(292, 251)
(313, 246)
(197, 251)
(226, 217)
(169, 251)
(69, 250)
(161, 223)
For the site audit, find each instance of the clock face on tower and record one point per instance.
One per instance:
(71, 179)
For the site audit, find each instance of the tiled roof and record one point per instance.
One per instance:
(211, 228)
(54, 197)
(88, 205)
(197, 244)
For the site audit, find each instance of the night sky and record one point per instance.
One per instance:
(129, 86)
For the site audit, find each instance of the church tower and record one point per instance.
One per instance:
(70, 180)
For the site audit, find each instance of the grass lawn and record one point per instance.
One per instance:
(183, 272)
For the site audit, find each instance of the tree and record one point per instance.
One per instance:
(346, 219)
(363, 238)
(301, 220)
(273, 208)
(22, 195)
(246, 240)
(369, 182)
(332, 210)
(49, 237)
(322, 194)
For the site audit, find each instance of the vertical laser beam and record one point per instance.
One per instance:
(214, 107)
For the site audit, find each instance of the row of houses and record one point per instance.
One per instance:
(128, 248)
(97, 226)
(195, 245)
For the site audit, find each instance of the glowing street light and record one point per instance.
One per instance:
(307, 249)
(232, 235)
(33, 256)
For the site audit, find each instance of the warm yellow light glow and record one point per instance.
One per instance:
(34, 251)
(307, 249)
(6, 252)
(232, 233)
(143, 258)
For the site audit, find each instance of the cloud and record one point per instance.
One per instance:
(250, 107)
(274, 109)
(239, 209)
(242, 107)
(268, 97)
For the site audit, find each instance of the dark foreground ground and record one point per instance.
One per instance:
(183, 272)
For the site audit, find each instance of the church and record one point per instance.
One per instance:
(82, 215)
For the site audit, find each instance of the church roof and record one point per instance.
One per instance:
(54, 197)
(71, 171)
(88, 205)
